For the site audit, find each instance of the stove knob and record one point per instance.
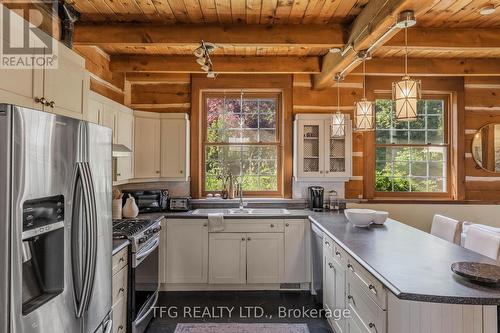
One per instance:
(156, 229)
(147, 232)
(142, 240)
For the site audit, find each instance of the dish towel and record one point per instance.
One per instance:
(215, 222)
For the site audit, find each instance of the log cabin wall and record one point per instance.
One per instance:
(482, 107)
(102, 80)
(175, 92)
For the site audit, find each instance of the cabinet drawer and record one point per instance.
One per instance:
(367, 282)
(328, 245)
(120, 285)
(120, 316)
(254, 225)
(340, 255)
(120, 260)
(364, 310)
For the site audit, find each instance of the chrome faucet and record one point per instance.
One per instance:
(239, 191)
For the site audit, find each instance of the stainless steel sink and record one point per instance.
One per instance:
(244, 211)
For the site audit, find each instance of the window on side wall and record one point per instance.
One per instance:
(412, 156)
(242, 139)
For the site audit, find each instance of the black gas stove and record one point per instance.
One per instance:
(125, 228)
(139, 231)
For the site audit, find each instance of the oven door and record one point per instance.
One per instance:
(144, 284)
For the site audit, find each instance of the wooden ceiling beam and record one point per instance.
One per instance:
(222, 64)
(439, 38)
(176, 35)
(432, 67)
(373, 23)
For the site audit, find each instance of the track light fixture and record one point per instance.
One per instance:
(202, 53)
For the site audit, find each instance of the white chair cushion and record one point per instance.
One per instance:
(483, 242)
(446, 228)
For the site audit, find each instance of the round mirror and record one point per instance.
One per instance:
(486, 147)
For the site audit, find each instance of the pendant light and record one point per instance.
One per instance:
(364, 110)
(407, 91)
(338, 119)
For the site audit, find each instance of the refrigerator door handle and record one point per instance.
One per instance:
(81, 256)
(92, 223)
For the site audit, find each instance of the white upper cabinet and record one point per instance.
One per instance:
(62, 90)
(318, 155)
(125, 129)
(146, 145)
(66, 87)
(161, 146)
(174, 143)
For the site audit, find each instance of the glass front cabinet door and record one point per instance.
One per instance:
(320, 150)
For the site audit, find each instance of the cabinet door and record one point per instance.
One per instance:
(107, 118)
(94, 111)
(339, 294)
(125, 129)
(296, 260)
(187, 251)
(163, 251)
(124, 168)
(310, 148)
(227, 260)
(337, 151)
(67, 84)
(147, 148)
(265, 257)
(328, 282)
(173, 148)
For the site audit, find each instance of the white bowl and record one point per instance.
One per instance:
(360, 217)
(379, 217)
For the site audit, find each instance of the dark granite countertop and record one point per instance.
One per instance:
(119, 244)
(412, 264)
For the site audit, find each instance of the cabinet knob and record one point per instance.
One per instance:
(180, 171)
(51, 104)
(330, 264)
(327, 243)
(327, 171)
(288, 224)
(321, 171)
(41, 100)
(272, 225)
(122, 290)
(120, 327)
(337, 253)
(205, 224)
(350, 267)
(350, 297)
(118, 174)
(371, 325)
(372, 288)
(249, 239)
(157, 171)
(243, 239)
(121, 259)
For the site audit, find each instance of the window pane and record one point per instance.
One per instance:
(255, 166)
(408, 168)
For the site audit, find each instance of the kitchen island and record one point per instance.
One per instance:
(393, 278)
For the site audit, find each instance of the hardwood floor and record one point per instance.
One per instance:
(184, 304)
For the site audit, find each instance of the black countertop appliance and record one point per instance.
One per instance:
(315, 198)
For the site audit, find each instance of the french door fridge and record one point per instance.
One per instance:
(55, 228)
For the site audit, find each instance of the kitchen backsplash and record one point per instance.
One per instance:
(299, 189)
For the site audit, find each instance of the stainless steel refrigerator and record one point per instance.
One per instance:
(55, 224)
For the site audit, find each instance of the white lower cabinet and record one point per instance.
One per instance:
(187, 251)
(265, 254)
(228, 258)
(297, 251)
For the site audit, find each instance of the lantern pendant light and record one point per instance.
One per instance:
(364, 110)
(406, 92)
(338, 118)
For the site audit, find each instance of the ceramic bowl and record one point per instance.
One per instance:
(380, 217)
(359, 217)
